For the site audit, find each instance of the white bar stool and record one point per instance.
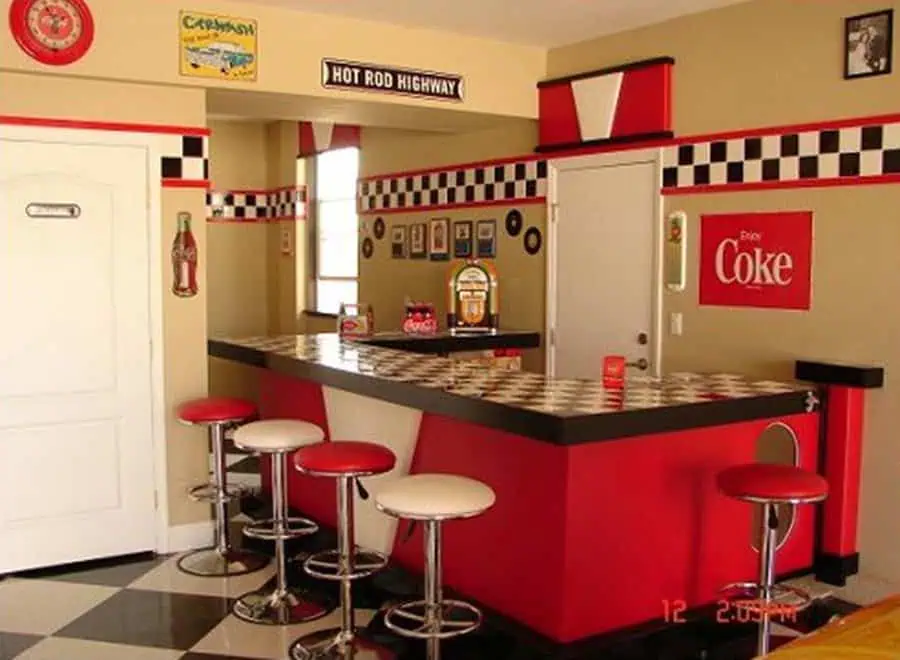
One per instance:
(432, 499)
(281, 605)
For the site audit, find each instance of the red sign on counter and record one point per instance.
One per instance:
(756, 259)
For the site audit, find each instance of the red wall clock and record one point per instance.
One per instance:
(54, 32)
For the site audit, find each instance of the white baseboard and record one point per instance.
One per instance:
(189, 537)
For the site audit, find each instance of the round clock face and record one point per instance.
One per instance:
(52, 31)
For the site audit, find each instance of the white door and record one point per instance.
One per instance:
(76, 452)
(604, 265)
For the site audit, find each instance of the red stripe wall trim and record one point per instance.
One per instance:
(184, 183)
(795, 183)
(461, 205)
(102, 125)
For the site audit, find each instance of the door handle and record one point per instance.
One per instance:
(641, 364)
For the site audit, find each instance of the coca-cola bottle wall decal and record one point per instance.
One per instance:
(184, 259)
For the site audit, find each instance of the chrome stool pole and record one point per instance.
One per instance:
(769, 485)
(346, 462)
(433, 499)
(281, 604)
(221, 560)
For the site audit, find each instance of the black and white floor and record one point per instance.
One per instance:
(144, 608)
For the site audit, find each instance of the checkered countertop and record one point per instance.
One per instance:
(555, 397)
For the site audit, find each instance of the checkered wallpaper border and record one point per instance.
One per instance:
(788, 157)
(518, 181)
(256, 205)
(185, 159)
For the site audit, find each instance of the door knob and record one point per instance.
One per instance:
(641, 364)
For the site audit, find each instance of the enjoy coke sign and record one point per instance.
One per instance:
(756, 259)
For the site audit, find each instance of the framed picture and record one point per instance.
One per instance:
(868, 44)
(398, 242)
(462, 239)
(486, 239)
(418, 241)
(439, 239)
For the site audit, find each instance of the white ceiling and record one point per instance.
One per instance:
(545, 23)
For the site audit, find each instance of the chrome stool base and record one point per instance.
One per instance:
(269, 607)
(326, 565)
(334, 644)
(293, 528)
(748, 596)
(453, 618)
(209, 562)
(209, 493)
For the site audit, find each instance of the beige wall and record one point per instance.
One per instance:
(386, 150)
(184, 320)
(765, 63)
(753, 64)
(385, 282)
(138, 41)
(237, 259)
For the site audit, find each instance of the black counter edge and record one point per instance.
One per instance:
(833, 373)
(532, 424)
(430, 345)
(688, 416)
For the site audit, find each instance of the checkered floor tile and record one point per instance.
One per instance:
(518, 389)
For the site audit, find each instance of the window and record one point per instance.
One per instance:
(337, 229)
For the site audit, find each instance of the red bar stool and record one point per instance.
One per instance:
(282, 604)
(433, 499)
(770, 485)
(217, 414)
(347, 463)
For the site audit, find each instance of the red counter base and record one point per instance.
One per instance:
(591, 538)
(584, 539)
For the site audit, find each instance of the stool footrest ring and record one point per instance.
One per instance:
(326, 565)
(455, 617)
(746, 596)
(210, 493)
(292, 528)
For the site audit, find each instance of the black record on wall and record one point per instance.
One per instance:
(368, 247)
(378, 228)
(514, 222)
(532, 240)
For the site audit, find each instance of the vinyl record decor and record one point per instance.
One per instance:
(368, 248)
(533, 240)
(514, 222)
(56, 32)
(378, 228)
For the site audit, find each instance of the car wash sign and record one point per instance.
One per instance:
(339, 74)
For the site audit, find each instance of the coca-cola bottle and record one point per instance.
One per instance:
(184, 259)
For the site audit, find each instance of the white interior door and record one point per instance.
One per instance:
(76, 450)
(604, 263)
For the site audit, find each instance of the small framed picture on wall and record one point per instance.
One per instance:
(398, 242)
(418, 241)
(486, 239)
(439, 239)
(462, 239)
(868, 44)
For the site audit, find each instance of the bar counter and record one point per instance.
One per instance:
(558, 410)
(607, 513)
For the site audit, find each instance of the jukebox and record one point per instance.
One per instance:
(472, 304)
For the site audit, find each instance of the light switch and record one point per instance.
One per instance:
(675, 324)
